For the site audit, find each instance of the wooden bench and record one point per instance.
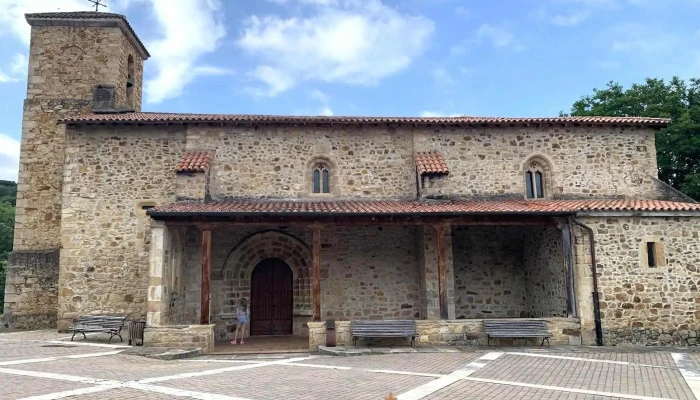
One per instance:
(384, 329)
(99, 323)
(517, 329)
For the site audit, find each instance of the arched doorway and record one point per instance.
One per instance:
(271, 298)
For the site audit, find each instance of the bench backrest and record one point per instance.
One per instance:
(104, 321)
(388, 326)
(520, 326)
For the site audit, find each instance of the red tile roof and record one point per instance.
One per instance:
(430, 162)
(195, 161)
(401, 207)
(53, 17)
(159, 118)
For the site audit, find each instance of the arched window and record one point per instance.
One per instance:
(321, 178)
(537, 178)
(130, 81)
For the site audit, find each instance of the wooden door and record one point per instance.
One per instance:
(271, 298)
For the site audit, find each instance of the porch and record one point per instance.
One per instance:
(449, 273)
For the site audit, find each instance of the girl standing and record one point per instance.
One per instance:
(243, 314)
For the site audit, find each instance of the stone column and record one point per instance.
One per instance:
(583, 279)
(429, 274)
(157, 267)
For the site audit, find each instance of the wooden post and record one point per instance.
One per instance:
(317, 273)
(206, 274)
(442, 270)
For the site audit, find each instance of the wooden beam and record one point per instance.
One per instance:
(206, 275)
(568, 241)
(442, 269)
(316, 265)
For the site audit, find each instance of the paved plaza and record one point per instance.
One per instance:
(45, 365)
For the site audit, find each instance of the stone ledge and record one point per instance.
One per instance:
(189, 337)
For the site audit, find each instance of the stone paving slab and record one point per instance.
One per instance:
(292, 383)
(429, 363)
(123, 394)
(604, 377)
(18, 350)
(16, 387)
(121, 367)
(489, 391)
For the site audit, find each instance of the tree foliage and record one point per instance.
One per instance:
(8, 193)
(678, 146)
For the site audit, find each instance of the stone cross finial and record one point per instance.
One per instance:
(98, 4)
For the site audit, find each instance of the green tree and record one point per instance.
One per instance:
(678, 146)
(8, 193)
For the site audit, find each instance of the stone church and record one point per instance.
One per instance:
(173, 218)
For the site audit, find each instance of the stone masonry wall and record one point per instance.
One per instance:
(370, 273)
(489, 273)
(31, 289)
(545, 271)
(651, 306)
(64, 65)
(105, 235)
(586, 161)
(276, 161)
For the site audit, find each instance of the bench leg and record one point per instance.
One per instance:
(413, 341)
(354, 341)
(74, 333)
(488, 340)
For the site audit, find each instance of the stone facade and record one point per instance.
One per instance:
(84, 191)
(65, 63)
(639, 305)
(109, 176)
(491, 161)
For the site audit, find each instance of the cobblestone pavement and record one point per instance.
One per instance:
(45, 365)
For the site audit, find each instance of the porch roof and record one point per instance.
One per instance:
(369, 207)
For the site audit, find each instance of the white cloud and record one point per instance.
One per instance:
(190, 29)
(12, 16)
(640, 38)
(499, 37)
(350, 41)
(319, 96)
(18, 67)
(326, 111)
(9, 158)
(438, 114)
(571, 19)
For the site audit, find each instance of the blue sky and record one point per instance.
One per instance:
(376, 57)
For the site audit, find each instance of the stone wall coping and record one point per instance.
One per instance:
(184, 327)
(322, 324)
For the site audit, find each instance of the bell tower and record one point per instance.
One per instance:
(79, 62)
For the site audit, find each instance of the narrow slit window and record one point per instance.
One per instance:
(528, 185)
(326, 181)
(651, 255)
(317, 181)
(538, 185)
(321, 179)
